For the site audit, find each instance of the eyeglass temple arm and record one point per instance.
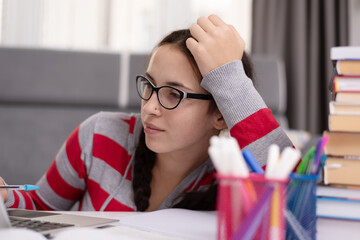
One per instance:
(199, 96)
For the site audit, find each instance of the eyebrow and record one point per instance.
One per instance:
(169, 83)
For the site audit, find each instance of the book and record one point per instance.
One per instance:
(344, 122)
(342, 170)
(347, 97)
(342, 144)
(345, 186)
(345, 83)
(344, 108)
(345, 52)
(332, 228)
(348, 67)
(338, 191)
(340, 208)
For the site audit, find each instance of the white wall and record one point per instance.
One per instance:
(354, 21)
(1, 7)
(125, 25)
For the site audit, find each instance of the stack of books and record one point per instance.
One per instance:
(338, 212)
(343, 149)
(339, 197)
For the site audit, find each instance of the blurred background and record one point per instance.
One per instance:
(122, 25)
(63, 60)
(276, 28)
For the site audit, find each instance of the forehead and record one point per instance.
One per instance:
(169, 63)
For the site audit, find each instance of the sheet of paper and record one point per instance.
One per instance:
(179, 223)
(20, 234)
(113, 233)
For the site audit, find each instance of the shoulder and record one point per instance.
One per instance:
(103, 122)
(123, 128)
(110, 129)
(110, 119)
(105, 115)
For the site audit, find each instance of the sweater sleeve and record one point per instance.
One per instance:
(248, 118)
(65, 181)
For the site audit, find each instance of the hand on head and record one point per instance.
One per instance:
(214, 43)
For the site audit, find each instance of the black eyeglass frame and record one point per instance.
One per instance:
(182, 93)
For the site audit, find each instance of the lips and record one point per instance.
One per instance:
(152, 129)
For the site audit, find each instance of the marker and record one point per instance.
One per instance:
(251, 162)
(25, 187)
(288, 160)
(238, 163)
(275, 230)
(273, 159)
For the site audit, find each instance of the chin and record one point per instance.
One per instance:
(153, 146)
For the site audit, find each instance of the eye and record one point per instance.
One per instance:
(146, 84)
(174, 94)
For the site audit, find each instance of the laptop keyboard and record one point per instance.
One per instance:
(36, 225)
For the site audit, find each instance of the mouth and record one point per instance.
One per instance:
(152, 129)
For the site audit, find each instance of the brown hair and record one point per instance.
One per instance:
(145, 158)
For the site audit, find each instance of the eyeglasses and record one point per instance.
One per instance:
(168, 97)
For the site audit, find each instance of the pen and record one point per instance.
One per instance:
(323, 160)
(25, 187)
(301, 169)
(319, 148)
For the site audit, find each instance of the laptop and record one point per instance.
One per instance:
(47, 223)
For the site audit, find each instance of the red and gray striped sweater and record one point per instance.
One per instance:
(94, 166)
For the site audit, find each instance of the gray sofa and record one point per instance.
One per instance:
(45, 94)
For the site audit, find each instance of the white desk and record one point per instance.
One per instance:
(169, 224)
(176, 224)
(327, 229)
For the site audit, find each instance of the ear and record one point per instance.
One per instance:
(219, 122)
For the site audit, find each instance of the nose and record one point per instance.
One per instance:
(151, 106)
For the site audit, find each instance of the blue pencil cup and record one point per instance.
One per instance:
(301, 207)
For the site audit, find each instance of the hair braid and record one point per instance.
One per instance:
(199, 200)
(144, 162)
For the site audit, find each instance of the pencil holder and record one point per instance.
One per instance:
(251, 208)
(301, 207)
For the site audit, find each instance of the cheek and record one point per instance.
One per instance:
(192, 120)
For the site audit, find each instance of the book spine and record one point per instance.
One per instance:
(345, 52)
(346, 83)
(348, 67)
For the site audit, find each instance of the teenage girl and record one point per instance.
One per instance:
(198, 82)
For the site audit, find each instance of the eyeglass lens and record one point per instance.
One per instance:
(167, 96)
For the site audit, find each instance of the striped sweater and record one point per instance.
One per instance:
(94, 166)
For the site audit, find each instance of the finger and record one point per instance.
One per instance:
(205, 24)
(197, 32)
(191, 44)
(216, 20)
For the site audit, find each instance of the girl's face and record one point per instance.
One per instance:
(188, 127)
